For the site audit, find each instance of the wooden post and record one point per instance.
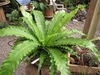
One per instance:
(2, 15)
(89, 16)
(94, 22)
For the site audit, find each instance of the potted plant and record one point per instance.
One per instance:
(39, 5)
(49, 10)
(46, 39)
(45, 7)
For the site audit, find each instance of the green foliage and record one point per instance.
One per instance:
(24, 48)
(71, 4)
(39, 5)
(45, 39)
(13, 16)
(3, 24)
(14, 4)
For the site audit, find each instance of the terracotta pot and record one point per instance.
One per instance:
(33, 70)
(48, 13)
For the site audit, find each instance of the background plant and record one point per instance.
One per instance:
(39, 5)
(14, 4)
(13, 16)
(46, 39)
(3, 24)
(71, 4)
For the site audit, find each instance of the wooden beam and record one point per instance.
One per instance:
(95, 21)
(83, 69)
(4, 3)
(89, 16)
(2, 15)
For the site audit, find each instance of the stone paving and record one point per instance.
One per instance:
(5, 49)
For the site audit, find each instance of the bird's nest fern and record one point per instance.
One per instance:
(46, 39)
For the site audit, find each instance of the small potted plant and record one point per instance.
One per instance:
(47, 40)
(49, 10)
(38, 5)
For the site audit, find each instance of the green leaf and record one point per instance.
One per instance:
(77, 41)
(60, 61)
(27, 17)
(41, 60)
(40, 22)
(36, 5)
(33, 27)
(68, 50)
(68, 16)
(17, 31)
(47, 23)
(32, 55)
(16, 55)
(26, 14)
(62, 34)
(73, 41)
(50, 38)
(54, 24)
(74, 31)
(94, 50)
(52, 68)
(42, 6)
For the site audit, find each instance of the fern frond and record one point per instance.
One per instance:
(16, 55)
(47, 23)
(17, 31)
(94, 50)
(60, 61)
(73, 31)
(62, 34)
(54, 37)
(68, 50)
(27, 17)
(70, 41)
(49, 38)
(33, 27)
(32, 55)
(52, 67)
(42, 58)
(77, 41)
(55, 21)
(40, 22)
(68, 16)
(65, 19)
